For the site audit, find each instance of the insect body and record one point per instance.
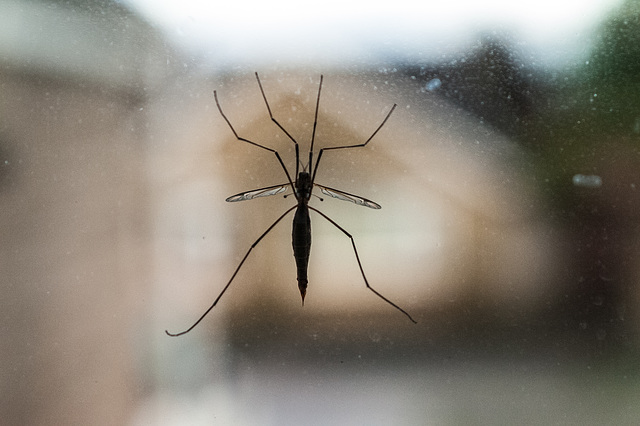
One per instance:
(302, 191)
(301, 234)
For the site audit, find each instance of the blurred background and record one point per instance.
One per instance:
(508, 176)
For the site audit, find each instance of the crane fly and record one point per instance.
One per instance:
(302, 191)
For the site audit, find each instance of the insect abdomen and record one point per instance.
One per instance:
(302, 246)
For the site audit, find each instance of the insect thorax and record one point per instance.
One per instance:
(303, 185)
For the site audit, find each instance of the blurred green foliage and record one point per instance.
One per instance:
(591, 111)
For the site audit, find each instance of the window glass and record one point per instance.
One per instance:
(495, 203)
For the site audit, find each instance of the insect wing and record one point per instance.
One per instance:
(345, 196)
(262, 192)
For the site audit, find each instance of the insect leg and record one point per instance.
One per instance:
(355, 250)
(215, 95)
(233, 276)
(313, 177)
(315, 123)
(278, 124)
(271, 115)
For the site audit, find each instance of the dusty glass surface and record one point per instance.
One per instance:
(508, 177)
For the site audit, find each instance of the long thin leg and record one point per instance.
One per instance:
(315, 123)
(355, 250)
(278, 124)
(271, 115)
(215, 95)
(233, 276)
(313, 177)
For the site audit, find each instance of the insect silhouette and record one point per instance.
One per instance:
(302, 191)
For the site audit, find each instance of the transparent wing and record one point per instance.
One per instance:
(345, 196)
(262, 192)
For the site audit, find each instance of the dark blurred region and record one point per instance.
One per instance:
(508, 229)
(581, 121)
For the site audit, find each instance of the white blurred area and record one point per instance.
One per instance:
(342, 33)
(115, 167)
